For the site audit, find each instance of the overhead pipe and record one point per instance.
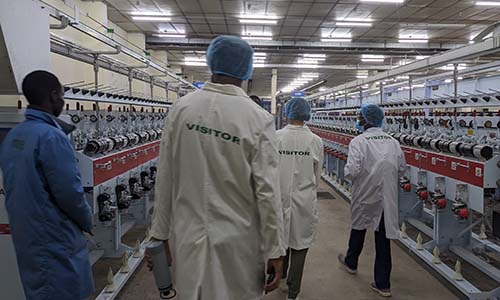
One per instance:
(64, 23)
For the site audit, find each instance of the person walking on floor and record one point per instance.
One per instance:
(375, 162)
(301, 160)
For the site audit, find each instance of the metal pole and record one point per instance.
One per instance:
(166, 90)
(410, 96)
(130, 78)
(455, 81)
(96, 72)
(346, 95)
(360, 96)
(152, 86)
(274, 90)
(381, 86)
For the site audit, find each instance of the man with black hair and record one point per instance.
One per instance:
(45, 201)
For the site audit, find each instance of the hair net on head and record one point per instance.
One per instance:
(372, 114)
(298, 109)
(230, 56)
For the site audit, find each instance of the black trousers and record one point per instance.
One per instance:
(383, 260)
(293, 266)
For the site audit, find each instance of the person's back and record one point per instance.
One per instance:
(301, 159)
(46, 205)
(374, 162)
(300, 168)
(217, 196)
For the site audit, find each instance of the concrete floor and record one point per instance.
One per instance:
(323, 278)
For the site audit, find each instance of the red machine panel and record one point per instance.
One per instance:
(468, 171)
(115, 164)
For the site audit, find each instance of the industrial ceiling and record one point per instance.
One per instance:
(327, 38)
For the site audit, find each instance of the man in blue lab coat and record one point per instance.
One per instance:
(45, 202)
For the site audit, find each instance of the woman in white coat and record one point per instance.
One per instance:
(217, 195)
(375, 162)
(301, 159)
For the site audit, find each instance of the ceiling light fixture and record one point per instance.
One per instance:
(487, 3)
(314, 55)
(262, 38)
(259, 54)
(195, 59)
(372, 56)
(309, 75)
(384, 1)
(414, 41)
(149, 13)
(151, 18)
(361, 76)
(355, 20)
(307, 61)
(170, 35)
(249, 16)
(374, 60)
(195, 63)
(420, 57)
(353, 24)
(336, 40)
(256, 21)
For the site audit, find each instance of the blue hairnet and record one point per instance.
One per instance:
(298, 109)
(230, 56)
(372, 114)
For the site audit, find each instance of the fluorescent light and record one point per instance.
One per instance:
(322, 89)
(307, 61)
(361, 76)
(260, 54)
(195, 63)
(194, 58)
(309, 75)
(262, 38)
(415, 41)
(451, 67)
(488, 3)
(448, 81)
(249, 33)
(420, 57)
(355, 20)
(170, 35)
(384, 1)
(314, 55)
(151, 18)
(311, 60)
(266, 17)
(336, 40)
(253, 21)
(402, 77)
(259, 65)
(378, 60)
(353, 24)
(149, 13)
(372, 56)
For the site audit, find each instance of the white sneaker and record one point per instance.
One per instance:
(283, 286)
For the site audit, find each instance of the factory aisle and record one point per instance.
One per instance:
(323, 278)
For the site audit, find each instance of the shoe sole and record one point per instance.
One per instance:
(346, 268)
(381, 293)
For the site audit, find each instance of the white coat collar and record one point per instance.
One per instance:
(228, 89)
(297, 127)
(373, 130)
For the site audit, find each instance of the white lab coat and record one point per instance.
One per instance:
(217, 194)
(374, 164)
(301, 159)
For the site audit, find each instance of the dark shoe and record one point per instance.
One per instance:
(341, 258)
(382, 292)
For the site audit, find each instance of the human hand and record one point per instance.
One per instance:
(274, 267)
